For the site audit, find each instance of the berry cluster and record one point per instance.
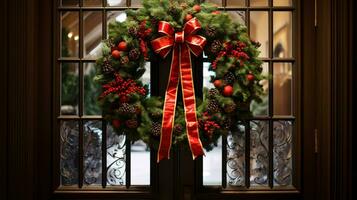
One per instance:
(208, 125)
(123, 88)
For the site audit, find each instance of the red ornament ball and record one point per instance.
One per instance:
(216, 12)
(122, 46)
(116, 54)
(197, 8)
(116, 123)
(250, 77)
(188, 17)
(217, 83)
(228, 91)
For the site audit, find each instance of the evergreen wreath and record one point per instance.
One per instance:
(233, 57)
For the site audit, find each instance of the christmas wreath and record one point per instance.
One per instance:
(180, 30)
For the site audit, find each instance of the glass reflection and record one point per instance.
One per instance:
(116, 157)
(237, 16)
(70, 2)
(92, 31)
(140, 163)
(282, 34)
(91, 91)
(259, 31)
(69, 89)
(235, 3)
(69, 34)
(262, 108)
(119, 3)
(91, 3)
(254, 3)
(212, 166)
(282, 2)
(282, 81)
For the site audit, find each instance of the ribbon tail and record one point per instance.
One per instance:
(188, 92)
(168, 117)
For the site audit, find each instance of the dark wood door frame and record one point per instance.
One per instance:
(25, 79)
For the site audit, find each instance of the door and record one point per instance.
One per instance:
(265, 159)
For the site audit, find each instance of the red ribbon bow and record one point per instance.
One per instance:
(182, 43)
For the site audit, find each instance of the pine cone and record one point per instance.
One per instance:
(178, 129)
(230, 108)
(107, 68)
(124, 60)
(227, 124)
(154, 21)
(212, 93)
(156, 128)
(134, 54)
(216, 46)
(210, 31)
(131, 123)
(133, 31)
(213, 107)
(229, 78)
(126, 109)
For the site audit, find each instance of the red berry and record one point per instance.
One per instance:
(122, 46)
(250, 77)
(116, 54)
(188, 17)
(228, 91)
(197, 8)
(217, 83)
(116, 123)
(216, 12)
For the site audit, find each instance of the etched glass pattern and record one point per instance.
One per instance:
(283, 140)
(236, 157)
(69, 133)
(116, 158)
(92, 142)
(259, 152)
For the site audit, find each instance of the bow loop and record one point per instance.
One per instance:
(163, 45)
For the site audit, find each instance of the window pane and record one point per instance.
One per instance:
(69, 138)
(282, 2)
(259, 31)
(140, 164)
(283, 144)
(69, 34)
(70, 2)
(136, 3)
(282, 81)
(91, 91)
(217, 2)
(116, 16)
(91, 3)
(69, 89)
(212, 166)
(207, 76)
(121, 3)
(115, 157)
(259, 153)
(235, 3)
(262, 108)
(237, 16)
(254, 3)
(282, 34)
(236, 157)
(92, 142)
(146, 76)
(92, 32)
